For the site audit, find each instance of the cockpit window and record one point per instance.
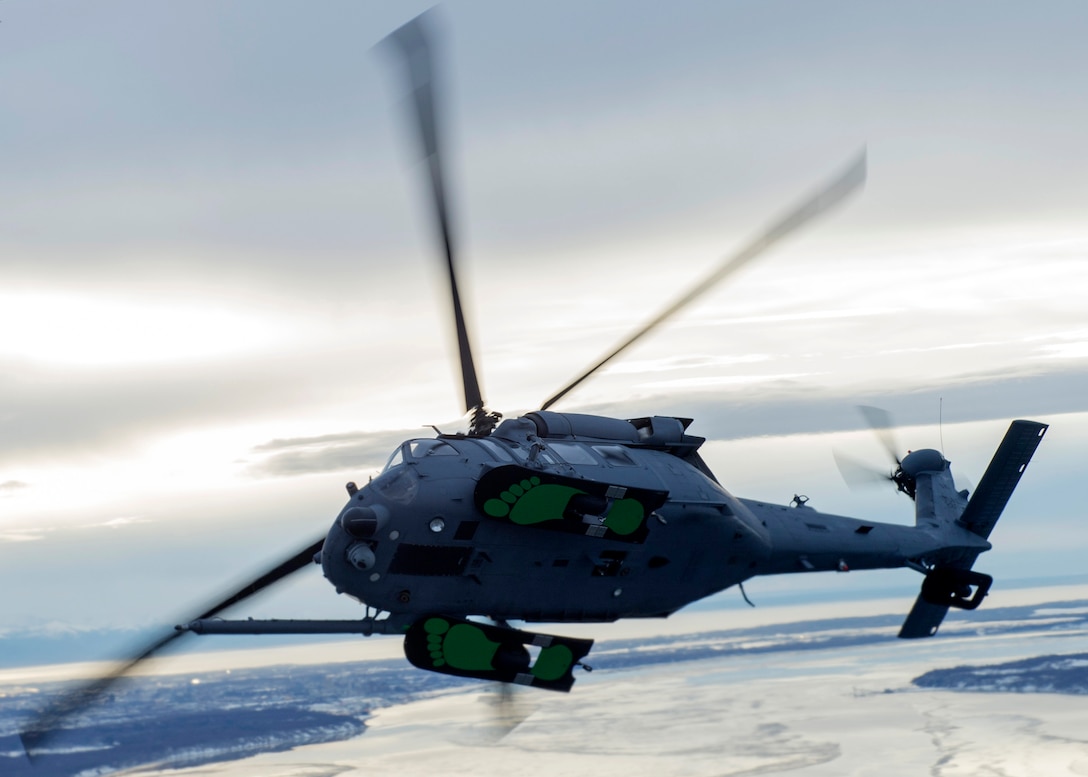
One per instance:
(572, 453)
(615, 454)
(395, 460)
(397, 484)
(421, 448)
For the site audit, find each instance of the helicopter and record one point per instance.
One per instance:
(557, 517)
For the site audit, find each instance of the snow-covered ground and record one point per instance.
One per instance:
(844, 711)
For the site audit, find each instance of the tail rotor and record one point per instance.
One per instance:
(859, 474)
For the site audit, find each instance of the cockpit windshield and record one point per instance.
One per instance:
(396, 459)
(422, 448)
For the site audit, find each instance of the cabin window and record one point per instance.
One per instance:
(421, 448)
(523, 453)
(572, 453)
(616, 455)
(519, 453)
(497, 451)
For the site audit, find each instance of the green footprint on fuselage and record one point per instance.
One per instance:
(625, 516)
(530, 502)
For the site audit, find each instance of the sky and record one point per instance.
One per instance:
(220, 298)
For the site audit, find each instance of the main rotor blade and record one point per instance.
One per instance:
(415, 48)
(826, 198)
(509, 709)
(42, 729)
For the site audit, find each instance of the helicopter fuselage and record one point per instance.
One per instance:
(565, 518)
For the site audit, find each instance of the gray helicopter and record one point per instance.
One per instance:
(572, 518)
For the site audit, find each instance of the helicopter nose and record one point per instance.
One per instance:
(361, 522)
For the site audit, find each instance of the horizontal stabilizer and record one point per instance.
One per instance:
(923, 620)
(948, 586)
(1001, 476)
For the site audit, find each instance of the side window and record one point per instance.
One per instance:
(518, 452)
(616, 455)
(523, 453)
(497, 451)
(572, 453)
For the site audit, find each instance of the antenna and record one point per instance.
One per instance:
(940, 421)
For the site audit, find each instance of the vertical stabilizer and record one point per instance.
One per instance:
(952, 585)
(1001, 477)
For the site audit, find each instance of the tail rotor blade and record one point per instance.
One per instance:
(824, 200)
(880, 421)
(51, 719)
(858, 474)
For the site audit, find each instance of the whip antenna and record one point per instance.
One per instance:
(940, 421)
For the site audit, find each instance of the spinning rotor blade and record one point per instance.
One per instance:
(42, 729)
(880, 421)
(819, 203)
(857, 474)
(414, 46)
(509, 710)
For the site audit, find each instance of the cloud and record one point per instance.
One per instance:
(705, 381)
(326, 453)
(28, 535)
(737, 414)
(11, 486)
(33, 533)
(53, 413)
(755, 412)
(116, 523)
(683, 362)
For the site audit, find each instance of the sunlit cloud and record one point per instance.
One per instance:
(710, 381)
(685, 362)
(117, 523)
(21, 536)
(325, 453)
(100, 331)
(1071, 350)
(803, 315)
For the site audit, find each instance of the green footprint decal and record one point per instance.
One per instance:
(552, 663)
(462, 646)
(530, 502)
(625, 516)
